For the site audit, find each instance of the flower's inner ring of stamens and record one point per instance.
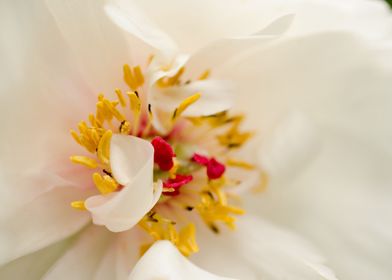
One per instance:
(192, 160)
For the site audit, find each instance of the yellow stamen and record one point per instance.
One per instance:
(120, 97)
(75, 136)
(160, 228)
(103, 150)
(89, 162)
(185, 104)
(136, 106)
(133, 77)
(212, 211)
(233, 138)
(205, 75)
(187, 241)
(240, 164)
(173, 170)
(79, 205)
(264, 180)
(125, 127)
(138, 75)
(94, 121)
(110, 107)
(171, 81)
(105, 184)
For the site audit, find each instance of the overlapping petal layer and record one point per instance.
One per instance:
(132, 162)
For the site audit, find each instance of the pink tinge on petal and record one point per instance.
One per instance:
(176, 183)
(163, 153)
(215, 169)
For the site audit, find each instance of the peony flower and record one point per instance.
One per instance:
(166, 153)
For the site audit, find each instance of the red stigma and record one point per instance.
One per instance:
(163, 153)
(202, 160)
(215, 169)
(176, 183)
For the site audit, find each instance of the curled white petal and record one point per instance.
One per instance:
(132, 166)
(215, 96)
(164, 261)
(132, 20)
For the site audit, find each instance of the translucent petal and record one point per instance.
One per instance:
(132, 160)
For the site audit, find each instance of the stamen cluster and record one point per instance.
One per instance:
(194, 170)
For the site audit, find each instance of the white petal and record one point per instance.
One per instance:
(128, 17)
(224, 50)
(216, 96)
(290, 147)
(203, 21)
(34, 52)
(82, 258)
(98, 45)
(330, 87)
(159, 68)
(164, 261)
(343, 203)
(35, 265)
(132, 160)
(40, 222)
(256, 245)
(121, 256)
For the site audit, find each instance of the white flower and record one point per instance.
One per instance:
(301, 87)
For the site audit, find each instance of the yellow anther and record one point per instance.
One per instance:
(94, 121)
(75, 136)
(240, 164)
(215, 120)
(185, 104)
(103, 150)
(205, 75)
(135, 102)
(128, 77)
(212, 211)
(105, 184)
(264, 180)
(160, 228)
(133, 77)
(95, 136)
(136, 107)
(102, 112)
(85, 138)
(187, 241)
(89, 162)
(125, 127)
(175, 79)
(79, 205)
(138, 75)
(173, 170)
(233, 138)
(171, 81)
(113, 111)
(120, 97)
(83, 128)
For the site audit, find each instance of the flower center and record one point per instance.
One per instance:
(193, 160)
